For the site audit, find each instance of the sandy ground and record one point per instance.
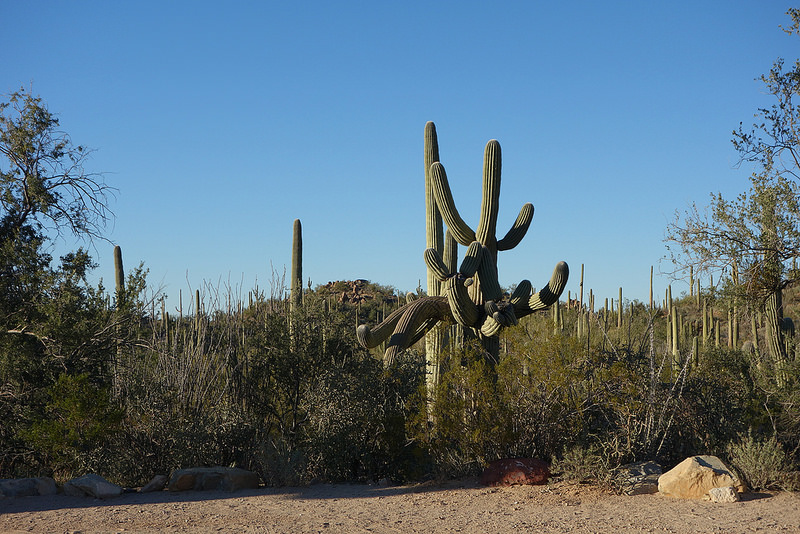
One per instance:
(458, 506)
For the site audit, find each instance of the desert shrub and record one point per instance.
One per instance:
(464, 426)
(542, 385)
(526, 405)
(356, 420)
(76, 428)
(762, 463)
(583, 464)
(719, 402)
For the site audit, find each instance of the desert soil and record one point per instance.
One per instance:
(456, 506)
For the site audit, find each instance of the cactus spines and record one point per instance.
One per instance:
(297, 265)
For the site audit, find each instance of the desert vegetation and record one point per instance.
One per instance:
(274, 379)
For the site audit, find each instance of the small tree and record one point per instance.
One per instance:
(52, 322)
(758, 233)
(43, 183)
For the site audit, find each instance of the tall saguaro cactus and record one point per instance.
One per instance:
(297, 266)
(481, 307)
(436, 338)
(119, 273)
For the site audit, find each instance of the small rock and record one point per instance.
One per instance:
(726, 494)
(512, 471)
(158, 483)
(93, 486)
(213, 478)
(637, 479)
(26, 487)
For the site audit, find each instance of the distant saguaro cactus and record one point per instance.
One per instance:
(119, 272)
(297, 266)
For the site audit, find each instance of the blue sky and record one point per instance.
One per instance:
(220, 123)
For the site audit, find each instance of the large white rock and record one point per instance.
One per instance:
(694, 477)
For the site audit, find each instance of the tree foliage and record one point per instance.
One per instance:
(757, 233)
(43, 182)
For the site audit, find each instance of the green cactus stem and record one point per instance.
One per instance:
(297, 266)
(119, 274)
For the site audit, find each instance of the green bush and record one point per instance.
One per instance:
(78, 424)
(762, 463)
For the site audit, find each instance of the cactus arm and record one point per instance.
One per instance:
(518, 231)
(444, 200)
(490, 203)
(372, 337)
(487, 276)
(450, 252)
(462, 308)
(522, 292)
(436, 265)
(472, 260)
(416, 318)
(547, 295)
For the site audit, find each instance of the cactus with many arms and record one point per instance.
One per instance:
(471, 296)
(481, 307)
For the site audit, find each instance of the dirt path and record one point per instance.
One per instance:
(461, 506)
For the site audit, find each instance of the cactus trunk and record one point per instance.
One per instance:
(297, 266)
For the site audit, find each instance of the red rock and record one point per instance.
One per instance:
(512, 471)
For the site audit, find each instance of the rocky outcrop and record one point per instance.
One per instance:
(694, 477)
(514, 471)
(27, 487)
(213, 478)
(93, 486)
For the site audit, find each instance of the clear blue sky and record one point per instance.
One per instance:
(220, 123)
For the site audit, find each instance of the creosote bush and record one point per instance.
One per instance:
(762, 463)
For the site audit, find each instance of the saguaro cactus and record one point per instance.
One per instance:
(297, 266)
(119, 274)
(471, 296)
(436, 338)
(482, 307)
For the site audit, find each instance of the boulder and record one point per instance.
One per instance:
(93, 486)
(694, 477)
(637, 479)
(726, 494)
(513, 471)
(158, 483)
(213, 478)
(27, 487)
